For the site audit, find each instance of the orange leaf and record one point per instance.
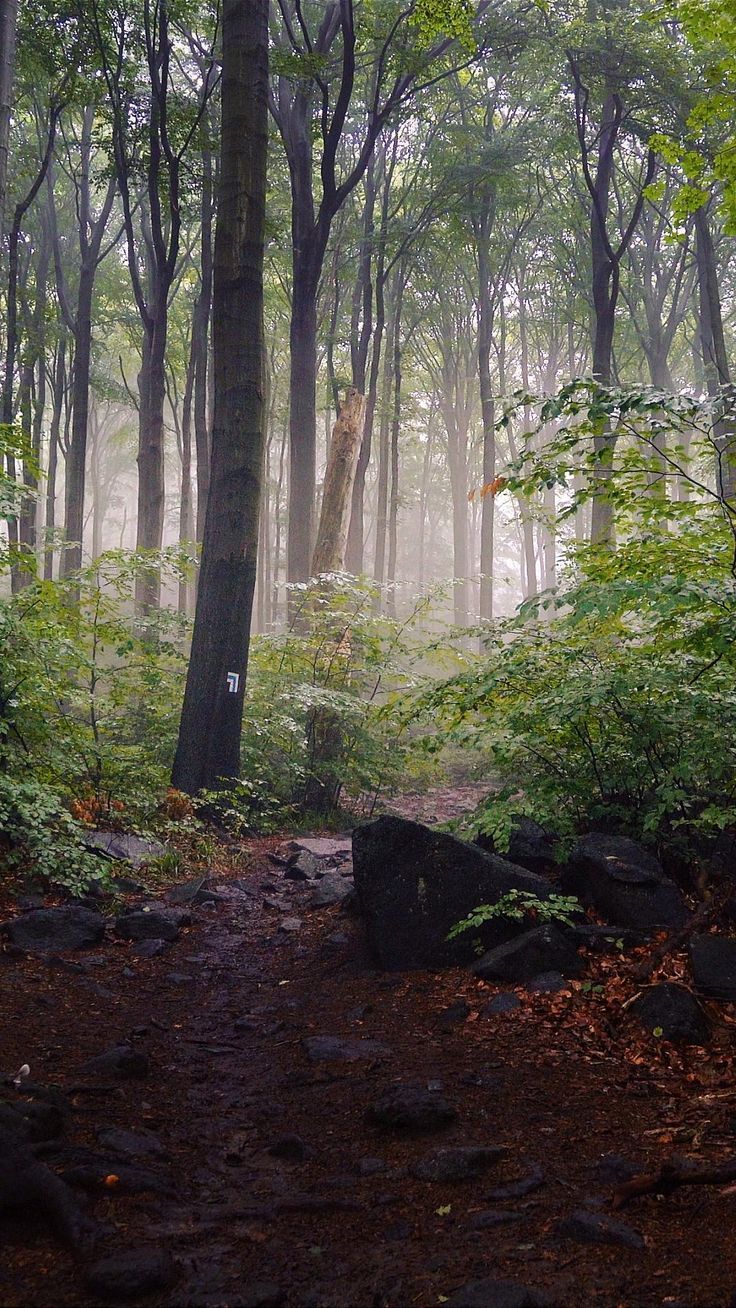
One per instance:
(111, 1180)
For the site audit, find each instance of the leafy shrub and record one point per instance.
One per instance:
(40, 838)
(515, 905)
(612, 702)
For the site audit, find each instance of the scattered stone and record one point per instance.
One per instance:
(490, 1217)
(454, 1015)
(121, 1061)
(152, 923)
(547, 983)
(623, 882)
(613, 1169)
(332, 889)
(503, 1003)
(587, 1227)
(261, 1294)
(49, 930)
(370, 1166)
(303, 867)
(458, 1164)
(179, 978)
(334, 848)
(411, 1108)
(673, 1012)
(290, 924)
(534, 1180)
(289, 1147)
(326, 1049)
(413, 884)
(498, 1294)
(132, 1274)
(131, 1144)
(195, 891)
(545, 948)
(608, 939)
(123, 847)
(713, 960)
(148, 948)
(337, 939)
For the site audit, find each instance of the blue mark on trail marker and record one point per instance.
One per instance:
(233, 681)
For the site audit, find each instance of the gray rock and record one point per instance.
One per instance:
(330, 1049)
(121, 1061)
(673, 1011)
(152, 923)
(498, 1294)
(411, 1108)
(414, 884)
(132, 1274)
(545, 948)
(261, 1294)
(289, 1147)
(195, 891)
(370, 1166)
(547, 983)
(586, 1227)
(332, 889)
(613, 1169)
(533, 1180)
(624, 882)
(490, 1217)
(713, 960)
(148, 948)
(454, 1015)
(49, 930)
(503, 1003)
(130, 1144)
(458, 1164)
(290, 924)
(303, 867)
(608, 939)
(123, 846)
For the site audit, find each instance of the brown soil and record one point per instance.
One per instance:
(560, 1082)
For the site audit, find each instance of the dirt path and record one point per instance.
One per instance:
(273, 1177)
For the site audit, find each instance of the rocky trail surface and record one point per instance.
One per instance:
(248, 1114)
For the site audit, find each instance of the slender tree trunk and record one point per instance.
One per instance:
(54, 430)
(8, 24)
(150, 460)
(76, 459)
(186, 507)
(302, 418)
(209, 735)
(713, 345)
(393, 508)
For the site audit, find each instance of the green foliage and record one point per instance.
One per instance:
(614, 700)
(38, 836)
(515, 905)
(88, 704)
(321, 717)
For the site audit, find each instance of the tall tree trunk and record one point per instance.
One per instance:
(302, 417)
(186, 507)
(209, 734)
(713, 345)
(200, 346)
(150, 459)
(54, 430)
(393, 508)
(8, 25)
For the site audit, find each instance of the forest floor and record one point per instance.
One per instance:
(270, 1172)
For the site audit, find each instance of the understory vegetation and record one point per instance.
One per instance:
(606, 702)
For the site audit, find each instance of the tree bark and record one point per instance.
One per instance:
(208, 749)
(329, 550)
(713, 346)
(8, 25)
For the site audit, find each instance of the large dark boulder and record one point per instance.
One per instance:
(152, 923)
(413, 884)
(673, 1011)
(713, 960)
(624, 882)
(531, 846)
(51, 930)
(544, 949)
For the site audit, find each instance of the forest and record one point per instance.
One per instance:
(367, 653)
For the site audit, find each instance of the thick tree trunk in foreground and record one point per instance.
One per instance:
(329, 551)
(209, 732)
